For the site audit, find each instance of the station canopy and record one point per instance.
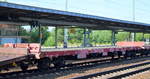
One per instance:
(17, 14)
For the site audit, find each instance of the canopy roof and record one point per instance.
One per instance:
(11, 13)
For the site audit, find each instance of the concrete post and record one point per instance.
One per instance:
(65, 37)
(133, 35)
(113, 38)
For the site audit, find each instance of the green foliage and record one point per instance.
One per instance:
(45, 34)
(60, 36)
(138, 37)
(101, 36)
(76, 37)
(49, 42)
(34, 35)
(96, 36)
(122, 36)
(147, 36)
(23, 32)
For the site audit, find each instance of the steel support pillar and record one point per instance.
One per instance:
(129, 38)
(143, 36)
(40, 35)
(36, 24)
(113, 38)
(84, 38)
(56, 28)
(65, 37)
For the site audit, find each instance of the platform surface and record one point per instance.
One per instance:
(9, 55)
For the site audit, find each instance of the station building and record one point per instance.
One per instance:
(9, 34)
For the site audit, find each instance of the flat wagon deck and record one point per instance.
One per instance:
(20, 52)
(9, 59)
(83, 52)
(12, 55)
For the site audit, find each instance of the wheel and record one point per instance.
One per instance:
(43, 64)
(127, 54)
(59, 62)
(24, 66)
(119, 54)
(113, 55)
(133, 54)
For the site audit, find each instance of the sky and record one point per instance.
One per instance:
(117, 9)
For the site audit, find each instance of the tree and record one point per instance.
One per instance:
(34, 34)
(138, 37)
(76, 37)
(122, 36)
(101, 36)
(49, 42)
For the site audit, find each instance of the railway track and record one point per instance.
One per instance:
(141, 75)
(34, 72)
(118, 73)
(131, 73)
(53, 70)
